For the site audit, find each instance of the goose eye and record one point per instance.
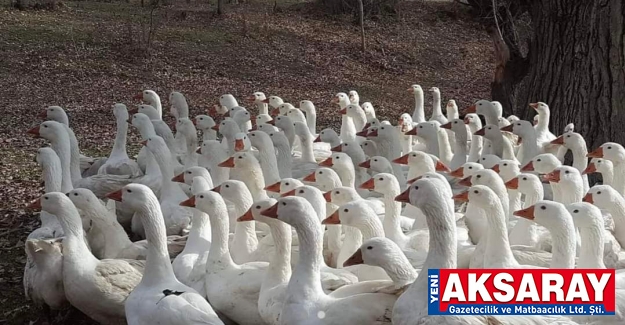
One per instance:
(470, 167)
(366, 144)
(416, 187)
(345, 210)
(538, 160)
(505, 164)
(568, 136)
(201, 196)
(524, 178)
(599, 192)
(283, 203)
(321, 172)
(45, 197)
(479, 176)
(337, 192)
(129, 191)
(420, 126)
(253, 134)
(375, 160)
(227, 186)
(542, 207)
(455, 122)
(566, 172)
(369, 247)
(45, 126)
(337, 158)
(382, 128)
(201, 119)
(346, 144)
(287, 184)
(610, 147)
(75, 194)
(480, 104)
(476, 192)
(189, 173)
(575, 211)
(380, 179)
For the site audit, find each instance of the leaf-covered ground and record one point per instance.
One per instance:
(87, 56)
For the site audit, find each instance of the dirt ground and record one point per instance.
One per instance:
(89, 55)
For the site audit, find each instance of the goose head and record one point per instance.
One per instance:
(178, 103)
(260, 139)
(467, 170)
(425, 130)
(59, 204)
(521, 128)
(569, 128)
(262, 119)
(241, 117)
(353, 97)
(503, 122)
(525, 183)
(572, 141)
(307, 106)
(382, 252)
(190, 173)
(284, 122)
(157, 146)
(473, 121)
(487, 177)
(254, 212)
(341, 99)
(507, 169)
(552, 215)
(47, 156)
(512, 118)
(369, 110)
(267, 128)
(324, 178)
(603, 196)
(49, 130)
(586, 215)
(301, 130)
(274, 101)
(405, 123)
(257, 97)
(481, 107)
(456, 125)
(565, 175)
(328, 136)
(83, 198)
(382, 183)
(489, 131)
(296, 212)
(282, 109)
(234, 191)
(419, 159)
(312, 195)
(55, 113)
(201, 184)
(241, 142)
(451, 107)
(241, 160)
(284, 185)
(378, 164)
(278, 138)
(341, 195)
(148, 110)
(480, 195)
(204, 122)
(540, 107)
(611, 151)
(210, 147)
(338, 161)
(369, 147)
(599, 165)
(414, 89)
(186, 127)
(354, 214)
(149, 96)
(228, 128)
(435, 90)
(488, 161)
(208, 202)
(543, 164)
(296, 115)
(137, 197)
(427, 193)
(227, 101)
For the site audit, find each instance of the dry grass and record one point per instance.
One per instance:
(89, 55)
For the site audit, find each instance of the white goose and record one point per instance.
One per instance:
(575, 142)
(348, 129)
(118, 162)
(474, 123)
(305, 296)
(98, 288)
(152, 98)
(43, 275)
(308, 107)
(205, 124)
(51, 172)
(615, 153)
(259, 99)
(461, 142)
(160, 297)
(213, 153)
(603, 166)
(437, 113)
(231, 288)
(418, 115)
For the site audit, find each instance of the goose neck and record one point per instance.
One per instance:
(279, 270)
(74, 247)
(152, 168)
(591, 253)
(346, 174)
(399, 270)
(306, 280)
(392, 214)
(580, 161)
(119, 147)
(219, 253)
(52, 177)
(308, 154)
(348, 129)
(62, 148)
(200, 234)
(311, 120)
(532, 197)
(564, 246)
(418, 115)
(370, 227)
(441, 223)
(209, 134)
(436, 105)
(284, 160)
(74, 160)
(157, 265)
(543, 122)
(570, 192)
(255, 183)
(498, 252)
(268, 163)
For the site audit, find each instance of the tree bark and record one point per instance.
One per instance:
(362, 25)
(220, 4)
(577, 66)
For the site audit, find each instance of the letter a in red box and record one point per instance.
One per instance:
(521, 291)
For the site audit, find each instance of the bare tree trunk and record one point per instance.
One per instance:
(220, 4)
(577, 66)
(362, 25)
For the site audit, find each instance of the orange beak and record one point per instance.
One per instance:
(338, 148)
(335, 100)
(35, 205)
(312, 177)
(403, 160)
(215, 127)
(481, 131)
(496, 169)
(138, 96)
(527, 213)
(228, 163)
(239, 145)
(373, 133)
(115, 196)
(327, 162)
(368, 185)
(458, 173)
(559, 140)
(365, 164)
(554, 176)
(534, 105)
(446, 126)
(251, 98)
(271, 212)
(410, 181)
(343, 111)
(529, 167)
(34, 131)
(355, 259)
(470, 109)
(275, 111)
(412, 131)
(289, 193)
(588, 198)
(466, 181)
(129, 121)
(272, 122)
(247, 216)
(590, 169)
(440, 167)
(466, 120)
(212, 111)
(404, 196)
(598, 153)
(227, 114)
(43, 114)
(508, 128)
(133, 111)
(333, 219)
(275, 187)
(318, 138)
(198, 150)
(462, 197)
(328, 196)
(172, 126)
(178, 178)
(190, 202)
(217, 189)
(362, 133)
(144, 142)
(513, 184)
(266, 101)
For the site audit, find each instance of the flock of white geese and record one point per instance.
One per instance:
(274, 222)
